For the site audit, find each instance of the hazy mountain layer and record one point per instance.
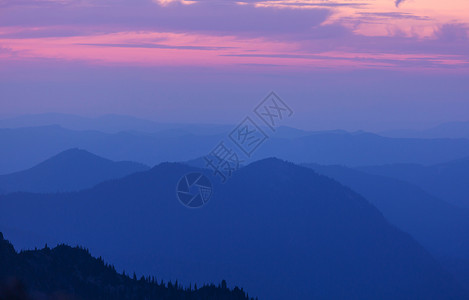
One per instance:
(331, 147)
(448, 181)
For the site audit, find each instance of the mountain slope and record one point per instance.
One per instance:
(72, 273)
(277, 229)
(70, 170)
(439, 226)
(448, 181)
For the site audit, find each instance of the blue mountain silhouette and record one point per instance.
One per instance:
(279, 230)
(70, 170)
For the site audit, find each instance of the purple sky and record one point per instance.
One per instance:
(369, 64)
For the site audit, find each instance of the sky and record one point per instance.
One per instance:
(348, 64)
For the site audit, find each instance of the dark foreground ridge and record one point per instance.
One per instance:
(72, 273)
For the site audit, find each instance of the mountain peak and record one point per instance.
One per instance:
(271, 162)
(76, 152)
(272, 166)
(70, 170)
(171, 166)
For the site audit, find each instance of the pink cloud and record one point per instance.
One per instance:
(180, 49)
(287, 33)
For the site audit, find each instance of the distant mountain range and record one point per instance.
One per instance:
(16, 154)
(113, 123)
(71, 170)
(448, 181)
(72, 273)
(332, 147)
(454, 130)
(361, 148)
(279, 230)
(110, 124)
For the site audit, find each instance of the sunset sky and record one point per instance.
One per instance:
(364, 64)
